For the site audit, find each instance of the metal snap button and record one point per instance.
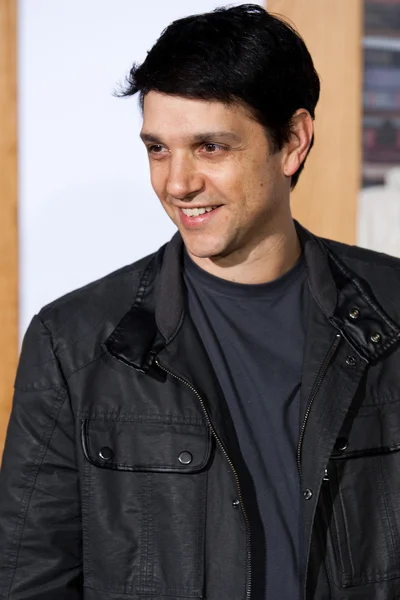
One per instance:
(354, 313)
(106, 453)
(376, 338)
(351, 361)
(236, 503)
(307, 494)
(341, 444)
(185, 458)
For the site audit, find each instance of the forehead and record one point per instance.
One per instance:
(167, 114)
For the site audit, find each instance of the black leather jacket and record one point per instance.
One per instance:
(122, 478)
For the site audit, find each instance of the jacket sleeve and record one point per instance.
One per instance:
(40, 518)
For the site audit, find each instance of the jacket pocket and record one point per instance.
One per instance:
(145, 492)
(362, 493)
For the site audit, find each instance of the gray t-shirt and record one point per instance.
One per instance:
(254, 336)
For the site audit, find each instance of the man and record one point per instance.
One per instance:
(221, 419)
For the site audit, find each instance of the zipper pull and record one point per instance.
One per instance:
(325, 477)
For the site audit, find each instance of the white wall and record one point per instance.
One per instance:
(86, 205)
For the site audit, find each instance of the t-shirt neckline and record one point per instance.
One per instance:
(202, 278)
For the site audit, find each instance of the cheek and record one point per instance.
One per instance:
(158, 180)
(263, 179)
(244, 176)
(228, 181)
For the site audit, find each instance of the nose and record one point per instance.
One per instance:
(184, 178)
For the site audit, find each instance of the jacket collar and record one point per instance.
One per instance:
(157, 312)
(159, 306)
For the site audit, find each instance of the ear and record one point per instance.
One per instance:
(296, 149)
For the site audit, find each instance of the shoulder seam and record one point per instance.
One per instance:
(346, 256)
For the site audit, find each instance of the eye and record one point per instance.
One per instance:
(211, 148)
(155, 149)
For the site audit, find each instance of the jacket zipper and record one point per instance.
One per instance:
(220, 444)
(317, 384)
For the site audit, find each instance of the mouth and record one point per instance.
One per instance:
(197, 216)
(196, 212)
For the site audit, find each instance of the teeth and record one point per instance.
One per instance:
(195, 212)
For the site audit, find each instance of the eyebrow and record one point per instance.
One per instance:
(196, 138)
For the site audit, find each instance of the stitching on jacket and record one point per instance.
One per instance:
(381, 399)
(143, 283)
(389, 513)
(151, 533)
(144, 533)
(30, 388)
(162, 419)
(33, 386)
(86, 503)
(90, 362)
(346, 526)
(173, 336)
(147, 593)
(27, 495)
(201, 535)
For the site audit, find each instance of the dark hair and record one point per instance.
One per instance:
(240, 54)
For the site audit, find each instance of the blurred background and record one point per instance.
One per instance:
(76, 201)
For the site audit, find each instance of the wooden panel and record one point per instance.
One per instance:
(325, 199)
(8, 210)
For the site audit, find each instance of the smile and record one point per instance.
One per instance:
(195, 212)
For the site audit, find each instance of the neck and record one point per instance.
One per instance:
(264, 261)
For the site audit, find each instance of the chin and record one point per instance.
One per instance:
(205, 248)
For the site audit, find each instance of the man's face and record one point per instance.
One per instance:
(212, 169)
